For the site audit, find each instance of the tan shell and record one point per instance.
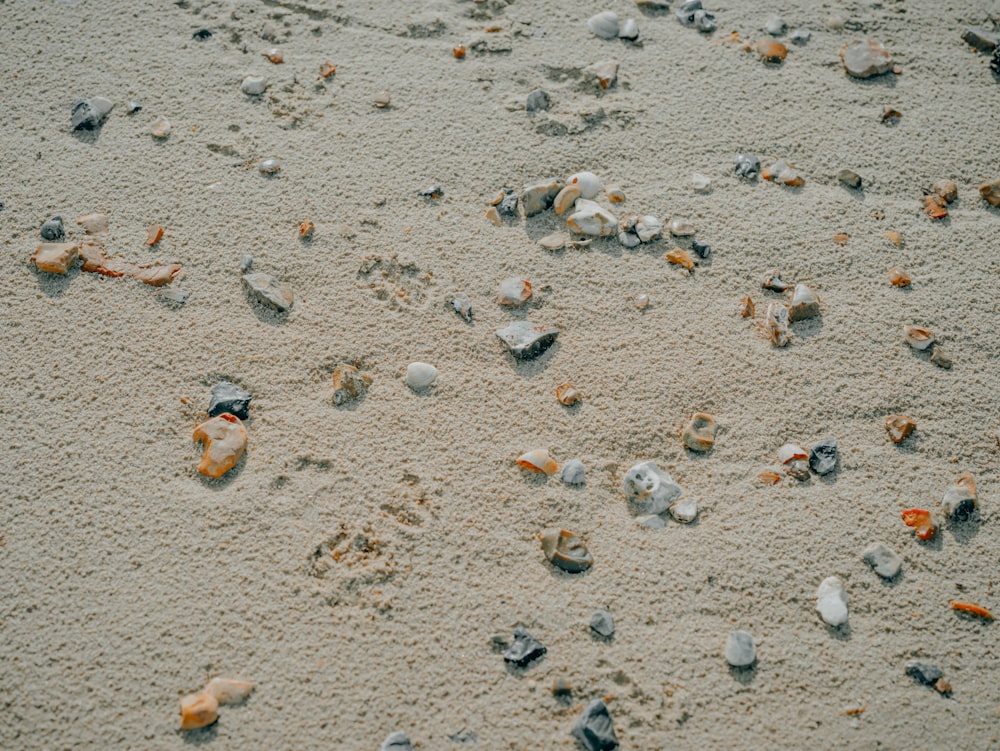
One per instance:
(538, 460)
(991, 192)
(616, 195)
(681, 258)
(895, 238)
(899, 426)
(275, 55)
(946, 190)
(198, 711)
(555, 241)
(898, 276)
(746, 307)
(228, 690)
(777, 324)
(566, 199)
(382, 100)
(55, 258)
(917, 337)
(699, 433)
(154, 234)
(565, 550)
(514, 291)
(792, 452)
(225, 440)
(493, 215)
(566, 394)
(327, 69)
(93, 224)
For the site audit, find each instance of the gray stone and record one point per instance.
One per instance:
(572, 472)
(228, 397)
(527, 340)
(704, 21)
(253, 85)
(525, 649)
(538, 196)
(462, 305)
(883, 560)
(686, 11)
(651, 521)
(747, 166)
(595, 730)
(89, 114)
(246, 262)
(267, 290)
(800, 36)
(940, 358)
(741, 651)
(172, 295)
(980, 38)
(53, 230)
(397, 741)
(775, 26)
(603, 623)
(629, 30)
(924, 672)
(823, 457)
(850, 178)
(649, 489)
(703, 249)
(508, 205)
(537, 100)
(864, 59)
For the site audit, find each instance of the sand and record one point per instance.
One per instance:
(358, 561)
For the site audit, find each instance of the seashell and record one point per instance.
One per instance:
(831, 601)
(514, 291)
(792, 452)
(253, 85)
(538, 460)
(566, 198)
(699, 433)
(616, 195)
(538, 196)
(198, 711)
(770, 51)
(783, 173)
(804, 305)
(590, 185)
(772, 281)
(160, 127)
(382, 100)
(641, 302)
(681, 258)
(939, 358)
(681, 228)
(769, 478)
(565, 550)
(946, 190)
(274, 55)
(685, 511)
(566, 394)
(172, 295)
(863, 59)
(349, 383)
(604, 24)
(799, 469)
(132, 107)
(572, 472)
(458, 51)
(605, 73)
(649, 489)
(227, 691)
(960, 500)
(917, 337)
(555, 241)
(327, 69)
(823, 457)
(462, 305)
(493, 215)
(648, 228)
(629, 30)
(590, 219)
(922, 522)
(154, 234)
(527, 340)
(746, 307)
(306, 230)
(269, 166)
(397, 741)
(420, 375)
(629, 240)
(55, 258)
(898, 276)
(701, 183)
(93, 224)
(990, 192)
(850, 178)
(225, 440)
(934, 207)
(899, 426)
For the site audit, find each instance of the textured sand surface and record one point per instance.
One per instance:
(357, 561)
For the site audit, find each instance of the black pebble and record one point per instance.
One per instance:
(202, 34)
(924, 672)
(537, 100)
(227, 397)
(703, 249)
(53, 230)
(524, 649)
(747, 166)
(823, 457)
(85, 116)
(594, 729)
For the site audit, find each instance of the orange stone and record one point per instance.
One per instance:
(921, 521)
(225, 440)
(899, 426)
(198, 711)
(899, 277)
(771, 51)
(55, 258)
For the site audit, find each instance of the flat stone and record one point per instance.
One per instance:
(397, 741)
(701, 183)
(525, 649)
(831, 601)
(53, 230)
(172, 295)
(565, 550)
(246, 262)
(228, 397)
(527, 340)
(253, 85)
(866, 58)
(594, 730)
(649, 489)
(538, 196)
(537, 100)
(741, 652)
(823, 456)
(572, 472)
(850, 178)
(685, 510)
(603, 623)
(651, 521)
(89, 114)
(884, 560)
(267, 290)
(56, 258)
(747, 166)
(924, 672)
(980, 38)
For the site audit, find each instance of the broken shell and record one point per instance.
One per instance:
(946, 190)
(573, 472)
(772, 281)
(538, 196)
(566, 394)
(227, 691)
(641, 302)
(274, 55)
(917, 337)
(831, 601)
(253, 85)
(792, 452)
(462, 305)
(777, 324)
(615, 195)
(701, 183)
(432, 191)
(863, 59)
(555, 241)
(527, 340)
(514, 291)
(604, 24)
(349, 383)
(934, 207)
(55, 258)
(681, 258)
(93, 224)
(225, 440)
(591, 219)
(565, 550)
(746, 307)
(922, 522)
(538, 460)
(895, 238)
(960, 500)
(590, 185)
(269, 166)
(841, 238)
(681, 228)
(327, 69)
(269, 291)
(805, 304)
(306, 229)
(899, 426)
(799, 469)
(605, 73)
(991, 192)
(458, 51)
(769, 478)
(493, 215)
(889, 114)
(783, 173)
(154, 234)
(649, 489)
(939, 358)
(699, 433)
(566, 198)
(898, 276)
(198, 711)
(420, 375)
(160, 127)
(771, 51)
(382, 100)
(685, 511)
(228, 397)
(629, 30)
(647, 228)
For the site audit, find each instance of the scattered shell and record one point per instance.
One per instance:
(790, 452)
(269, 166)
(831, 601)
(746, 307)
(605, 73)
(917, 337)
(349, 383)
(555, 241)
(537, 100)
(934, 206)
(458, 51)
(566, 198)
(771, 51)
(922, 522)
(228, 397)
(769, 478)
(154, 234)
(538, 460)
(804, 305)
(524, 650)
(681, 258)
(741, 651)
(591, 219)
(946, 190)
(863, 59)
(629, 239)
(538, 196)
(396, 741)
(253, 85)
(198, 711)
(246, 263)
(306, 230)
(651, 521)
(898, 277)
(799, 469)
(172, 295)
(629, 30)
(991, 192)
(52, 230)
(274, 55)
(327, 69)
(514, 291)
(960, 500)
(267, 290)
(493, 215)
(462, 305)
(747, 166)
(777, 324)
(55, 258)
(382, 100)
(93, 224)
(595, 730)
(649, 489)
(590, 185)
(889, 114)
(850, 178)
(604, 24)
(681, 228)
(939, 358)
(968, 607)
(527, 340)
(228, 691)
(160, 127)
(699, 433)
(783, 173)
(565, 550)
(573, 472)
(685, 511)
(616, 195)
(701, 183)
(566, 394)
(884, 560)
(225, 440)
(420, 375)
(647, 228)
(899, 426)
(602, 623)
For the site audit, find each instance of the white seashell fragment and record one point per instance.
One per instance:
(566, 198)
(538, 460)
(573, 472)
(160, 127)
(685, 511)
(269, 166)
(555, 241)
(792, 452)
(590, 185)
(831, 601)
(629, 30)
(701, 183)
(805, 304)
(604, 24)
(681, 228)
(514, 291)
(605, 73)
(629, 239)
(649, 489)
(777, 324)
(253, 85)
(590, 219)
(917, 337)
(648, 228)
(420, 375)
(228, 690)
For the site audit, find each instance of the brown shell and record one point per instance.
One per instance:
(566, 394)
(681, 258)
(198, 711)
(154, 234)
(899, 426)
(898, 276)
(327, 69)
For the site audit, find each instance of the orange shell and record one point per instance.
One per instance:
(458, 51)
(198, 711)
(153, 234)
(899, 426)
(921, 521)
(566, 394)
(306, 229)
(746, 307)
(934, 207)
(538, 460)
(841, 238)
(771, 51)
(769, 478)
(681, 258)
(327, 69)
(968, 607)
(899, 277)
(895, 238)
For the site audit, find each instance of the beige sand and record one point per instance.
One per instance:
(127, 579)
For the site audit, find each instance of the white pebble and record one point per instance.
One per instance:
(685, 511)
(740, 649)
(831, 601)
(629, 30)
(604, 24)
(253, 85)
(420, 375)
(572, 472)
(681, 228)
(591, 219)
(590, 185)
(701, 183)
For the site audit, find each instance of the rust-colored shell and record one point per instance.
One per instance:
(771, 51)
(275, 55)
(681, 258)
(934, 207)
(154, 234)
(538, 460)
(898, 276)
(899, 426)
(922, 522)
(746, 307)
(699, 433)
(769, 478)
(968, 607)
(327, 69)
(458, 51)
(306, 229)
(566, 394)
(198, 711)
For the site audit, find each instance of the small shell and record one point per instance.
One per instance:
(699, 433)
(934, 207)
(841, 238)
(269, 166)
(792, 452)
(831, 601)
(889, 113)
(647, 228)
(685, 510)
(922, 522)
(783, 173)
(946, 190)
(349, 383)
(566, 199)
(898, 276)
(604, 24)
(458, 51)
(228, 690)
(917, 337)
(615, 195)
(198, 711)
(899, 426)
(629, 30)
(641, 302)
(746, 307)
(306, 229)
(253, 85)
(590, 185)
(895, 239)
(382, 100)
(772, 281)
(327, 69)
(681, 258)
(514, 291)
(769, 478)
(493, 215)
(566, 394)
(590, 219)
(681, 228)
(555, 241)
(154, 234)
(160, 127)
(225, 440)
(701, 183)
(565, 550)
(93, 224)
(420, 375)
(56, 258)
(805, 304)
(538, 460)
(605, 74)
(274, 55)
(770, 51)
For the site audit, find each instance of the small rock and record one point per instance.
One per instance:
(246, 262)
(647, 228)
(651, 521)
(922, 522)
(566, 394)
(53, 230)
(202, 35)
(850, 178)
(228, 397)
(594, 730)
(349, 383)
(506, 202)
(823, 457)
(924, 672)
(747, 166)
(703, 249)
(770, 51)
(995, 62)
(56, 258)
(746, 307)
(960, 500)
(267, 290)
(269, 166)
(898, 277)
(160, 128)
(253, 85)
(573, 472)
(537, 100)
(864, 59)
(783, 173)
(462, 305)
(945, 190)
(603, 623)
(432, 191)
(741, 652)
(565, 550)
(685, 511)
(493, 215)
(172, 295)
(198, 711)
(681, 228)
(132, 107)
(561, 688)
(799, 469)
(89, 114)
(629, 30)
(592, 219)
(640, 302)
(524, 650)
(775, 26)
(225, 440)
(604, 25)
(527, 340)
(605, 73)
(616, 195)
(649, 489)
(699, 433)
(397, 741)
(899, 426)
(939, 358)
(589, 184)
(420, 375)
(701, 183)
(889, 114)
(991, 192)
(917, 337)
(804, 305)
(800, 36)
(776, 324)
(883, 560)
(980, 38)
(514, 291)
(537, 197)
(382, 100)
(831, 601)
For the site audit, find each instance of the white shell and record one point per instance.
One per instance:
(650, 489)
(790, 452)
(604, 24)
(648, 228)
(253, 85)
(565, 199)
(629, 30)
(590, 219)
(805, 304)
(701, 183)
(228, 690)
(777, 324)
(629, 239)
(160, 127)
(685, 511)
(420, 375)
(831, 601)
(514, 291)
(917, 337)
(681, 228)
(590, 185)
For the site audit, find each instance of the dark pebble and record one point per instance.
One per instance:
(703, 249)
(53, 230)
(397, 741)
(434, 191)
(980, 38)
(850, 178)
(823, 457)
(508, 206)
(89, 114)
(524, 650)
(594, 729)
(603, 623)
(202, 34)
(462, 305)
(228, 397)
(527, 340)
(537, 100)
(924, 672)
(747, 166)
(995, 61)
